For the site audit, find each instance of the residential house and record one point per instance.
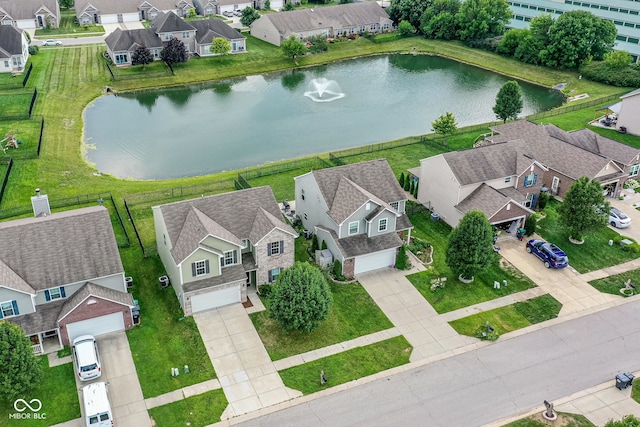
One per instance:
(504, 178)
(61, 276)
(330, 21)
(30, 14)
(358, 210)
(214, 247)
(630, 112)
(197, 37)
(14, 49)
(123, 11)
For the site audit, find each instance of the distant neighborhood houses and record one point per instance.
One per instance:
(28, 14)
(14, 49)
(505, 177)
(197, 37)
(330, 21)
(123, 11)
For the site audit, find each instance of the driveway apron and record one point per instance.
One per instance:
(246, 373)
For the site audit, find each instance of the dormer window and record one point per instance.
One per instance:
(200, 268)
(54, 293)
(382, 224)
(394, 205)
(230, 258)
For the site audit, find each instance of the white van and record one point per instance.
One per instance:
(96, 407)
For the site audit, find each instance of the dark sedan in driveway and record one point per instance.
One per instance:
(550, 254)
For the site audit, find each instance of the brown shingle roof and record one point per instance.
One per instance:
(10, 41)
(489, 200)
(44, 319)
(66, 247)
(168, 22)
(120, 40)
(26, 9)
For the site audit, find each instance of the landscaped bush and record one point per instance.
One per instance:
(337, 271)
(599, 71)
(530, 225)
(33, 50)
(402, 260)
(264, 291)
(543, 199)
(317, 44)
(634, 247)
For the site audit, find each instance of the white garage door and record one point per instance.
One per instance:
(215, 299)
(130, 17)
(108, 19)
(96, 326)
(375, 261)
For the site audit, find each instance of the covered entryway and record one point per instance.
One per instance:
(96, 326)
(375, 261)
(215, 299)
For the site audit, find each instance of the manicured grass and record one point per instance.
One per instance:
(26, 132)
(353, 314)
(58, 393)
(348, 366)
(511, 317)
(68, 26)
(301, 246)
(195, 411)
(164, 339)
(16, 105)
(613, 284)
(594, 254)
(565, 419)
(635, 391)
(282, 184)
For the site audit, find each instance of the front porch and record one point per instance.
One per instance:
(46, 342)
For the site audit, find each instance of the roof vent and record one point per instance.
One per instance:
(40, 204)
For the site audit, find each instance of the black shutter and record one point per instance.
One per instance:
(47, 295)
(270, 277)
(62, 293)
(193, 269)
(281, 246)
(235, 256)
(206, 266)
(269, 250)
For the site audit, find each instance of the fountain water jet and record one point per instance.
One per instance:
(324, 90)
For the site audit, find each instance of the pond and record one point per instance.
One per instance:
(207, 128)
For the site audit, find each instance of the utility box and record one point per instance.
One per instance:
(324, 258)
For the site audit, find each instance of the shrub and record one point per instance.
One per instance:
(530, 225)
(314, 243)
(543, 199)
(317, 44)
(264, 291)
(337, 270)
(402, 260)
(401, 180)
(405, 28)
(323, 246)
(634, 247)
(33, 50)
(288, 6)
(599, 71)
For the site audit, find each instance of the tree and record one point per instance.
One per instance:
(401, 180)
(141, 56)
(535, 42)
(415, 190)
(249, 15)
(267, 5)
(584, 208)
(511, 40)
(301, 298)
(438, 21)
(626, 421)
(220, 46)
(479, 19)
(508, 101)
(192, 12)
(618, 59)
(288, 6)
(20, 369)
(174, 52)
(402, 259)
(445, 125)
(408, 10)
(407, 184)
(470, 248)
(405, 28)
(67, 4)
(293, 47)
(576, 36)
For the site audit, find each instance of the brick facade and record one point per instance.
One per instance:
(87, 311)
(265, 262)
(348, 267)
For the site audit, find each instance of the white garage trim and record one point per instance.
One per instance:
(96, 326)
(374, 261)
(215, 299)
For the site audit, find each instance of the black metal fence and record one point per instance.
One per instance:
(307, 163)
(27, 74)
(241, 183)
(5, 178)
(40, 137)
(32, 104)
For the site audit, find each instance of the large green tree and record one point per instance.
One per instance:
(249, 15)
(508, 101)
(470, 247)
(220, 46)
(408, 10)
(584, 208)
(293, 47)
(174, 51)
(20, 370)
(534, 44)
(445, 125)
(479, 19)
(439, 20)
(576, 36)
(301, 298)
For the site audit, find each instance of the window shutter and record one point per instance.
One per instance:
(47, 295)
(269, 250)
(533, 201)
(235, 256)
(193, 269)
(15, 308)
(270, 277)
(535, 178)
(62, 293)
(206, 266)
(221, 261)
(281, 246)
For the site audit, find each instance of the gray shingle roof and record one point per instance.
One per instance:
(26, 9)
(169, 22)
(44, 319)
(229, 274)
(10, 41)
(208, 29)
(489, 200)
(92, 290)
(361, 244)
(236, 212)
(109, 7)
(65, 247)
(120, 40)
(340, 16)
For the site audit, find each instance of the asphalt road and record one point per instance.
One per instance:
(72, 41)
(489, 384)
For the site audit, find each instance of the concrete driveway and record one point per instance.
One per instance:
(628, 206)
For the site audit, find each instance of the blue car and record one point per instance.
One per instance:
(550, 254)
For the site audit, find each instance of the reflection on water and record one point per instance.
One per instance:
(206, 128)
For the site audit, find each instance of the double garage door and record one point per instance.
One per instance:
(96, 326)
(215, 299)
(374, 261)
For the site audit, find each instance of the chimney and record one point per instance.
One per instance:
(40, 203)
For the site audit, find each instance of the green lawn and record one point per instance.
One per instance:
(613, 284)
(353, 314)
(164, 339)
(301, 246)
(635, 391)
(58, 393)
(26, 132)
(348, 366)
(511, 317)
(14, 105)
(565, 419)
(594, 254)
(196, 411)
(68, 26)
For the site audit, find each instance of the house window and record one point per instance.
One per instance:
(354, 227)
(230, 258)
(245, 243)
(168, 36)
(362, 28)
(164, 238)
(305, 216)
(54, 293)
(153, 15)
(275, 248)
(634, 170)
(6, 64)
(185, 34)
(382, 224)
(8, 309)
(200, 268)
(394, 205)
(302, 193)
(507, 180)
(273, 274)
(122, 58)
(530, 180)
(530, 202)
